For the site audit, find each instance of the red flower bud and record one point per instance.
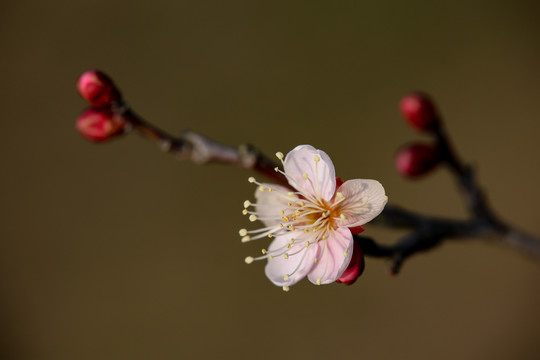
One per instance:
(416, 159)
(355, 268)
(97, 88)
(100, 124)
(419, 111)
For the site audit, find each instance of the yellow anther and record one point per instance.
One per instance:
(289, 246)
(319, 281)
(286, 277)
(302, 203)
(270, 189)
(245, 239)
(286, 256)
(247, 204)
(292, 240)
(340, 195)
(345, 253)
(252, 217)
(276, 169)
(289, 203)
(271, 256)
(297, 212)
(306, 230)
(290, 193)
(343, 217)
(249, 260)
(307, 243)
(282, 212)
(291, 227)
(251, 179)
(242, 232)
(262, 188)
(316, 260)
(263, 251)
(305, 176)
(317, 158)
(286, 288)
(281, 225)
(244, 212)
(279, 155)
(270, 235)
(285, 218)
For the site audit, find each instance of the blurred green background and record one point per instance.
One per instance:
(118, 251)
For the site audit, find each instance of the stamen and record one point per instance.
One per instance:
(317, 158)
(286, 277)
(286, 256)
(252, 218)
(343, 217)
(249, 260)
(263, 251)
(242, 232)
(279, 155)
(340, 195)
(345, 253)
(244, 212)
(276, 169)
(251, 179)
(246, 239)
(319, 281)
(286, 288)
(305, 176)
(262, 188)
(247, 204)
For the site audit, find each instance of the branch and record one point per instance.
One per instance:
(111, 117)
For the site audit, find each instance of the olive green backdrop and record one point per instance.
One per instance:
(118, 251)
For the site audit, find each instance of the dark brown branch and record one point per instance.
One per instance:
(426, 232)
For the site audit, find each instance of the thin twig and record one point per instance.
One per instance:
(426, 232)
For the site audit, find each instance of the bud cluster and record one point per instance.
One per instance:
(99, 123)
(419, 158)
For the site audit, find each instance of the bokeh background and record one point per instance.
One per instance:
(118, 251)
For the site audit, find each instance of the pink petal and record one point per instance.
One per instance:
(272, 203)
(321, 174)
(296, 266)
(333, 262)
(355, 268)
(364, 200)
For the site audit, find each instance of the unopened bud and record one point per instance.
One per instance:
(355, 268)
(97, 88)
(416, 159)
(100, 124)
(419, 111)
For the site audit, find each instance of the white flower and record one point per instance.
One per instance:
(310, 226)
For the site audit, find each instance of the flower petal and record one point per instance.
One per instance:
(299, 262)
(332, 261)
(355, 268)
(321, 174)
(269, 204)
(364, 200)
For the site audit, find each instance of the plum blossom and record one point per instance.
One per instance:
(311, 223)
